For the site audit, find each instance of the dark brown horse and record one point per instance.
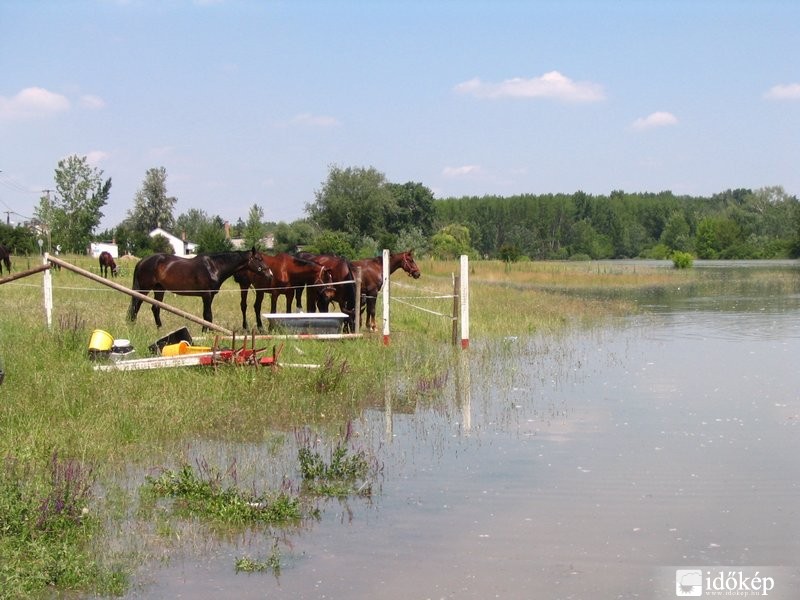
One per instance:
(372, 277)
(344, 285)
(288, 274)
(106, 263)
(5, 257)
(201, 276)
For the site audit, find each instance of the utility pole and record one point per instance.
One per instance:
(49, 216)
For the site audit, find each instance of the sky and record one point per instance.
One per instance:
(247, 102)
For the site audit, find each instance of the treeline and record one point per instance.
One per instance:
(357, 212)
(735, 224)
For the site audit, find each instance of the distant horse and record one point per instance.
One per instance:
(5, 257)
(201, 276)
(345, 287)
(288, 273)
(372, 277)
(106, 263)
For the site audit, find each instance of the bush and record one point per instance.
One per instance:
(682, 260)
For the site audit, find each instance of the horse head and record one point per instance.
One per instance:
(409, 265)
(325, 278)
(256, 263)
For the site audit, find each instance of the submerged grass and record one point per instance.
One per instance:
(205, 493)
(54, 404)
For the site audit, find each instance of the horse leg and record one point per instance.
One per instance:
(158, 295)
(243, 306)
(207, 299)
(257, 309)
(322, 303)
(133, 309)
(289, 300)
(273, 307)
(371, 314)
(298, 296)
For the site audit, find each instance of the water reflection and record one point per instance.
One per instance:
(577, 467)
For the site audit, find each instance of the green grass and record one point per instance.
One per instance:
(211, 498)
(105, 426)
(347, 471)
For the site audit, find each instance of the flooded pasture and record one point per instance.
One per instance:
(592, 465)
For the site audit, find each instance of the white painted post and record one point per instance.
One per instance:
(385, 287)
(464, 302)
(47, 283)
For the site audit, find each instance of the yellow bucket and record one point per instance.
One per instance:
(198, 349)
(101, 341)
(181, 347)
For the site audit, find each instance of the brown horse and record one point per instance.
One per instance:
(372, 277)
(106, 263)
(201, 276)
(288, 274)
(5, 257)
(344, 285)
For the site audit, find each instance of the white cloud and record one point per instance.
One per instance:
(552, 85)
(95, 157)
(461, 171)
(310, 120)
(790, 91)
(32, 102)
(92, 102)
(653, 120)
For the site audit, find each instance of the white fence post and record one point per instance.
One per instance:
(47, 283)
(385, 288)
(464, 298)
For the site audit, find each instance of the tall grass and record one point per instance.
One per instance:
(55, 404)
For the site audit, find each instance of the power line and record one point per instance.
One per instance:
(12, 184)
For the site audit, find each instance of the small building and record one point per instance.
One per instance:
(267, 242)
(181, 246)
(95, 248)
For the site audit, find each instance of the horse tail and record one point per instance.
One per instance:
(350, 288)
(133, 308)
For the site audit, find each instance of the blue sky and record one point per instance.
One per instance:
(247, 102)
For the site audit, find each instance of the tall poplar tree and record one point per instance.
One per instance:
(73, 211)
(152, 207)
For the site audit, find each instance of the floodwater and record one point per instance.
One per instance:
(589, 466)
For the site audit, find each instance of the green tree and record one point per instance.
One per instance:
(151, 206)
(413, 208)
(451, 242)
(254, 229)
(676, 234)
(585, 240)
(290, 236)
(333, 242)
(705, 242)
(509, 253)
(191, 223)
(74, 212)
(413, 239)
(159, 244)
(19, 240)
(212, 238)
(355, 200)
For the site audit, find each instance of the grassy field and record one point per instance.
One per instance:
(66, 430)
